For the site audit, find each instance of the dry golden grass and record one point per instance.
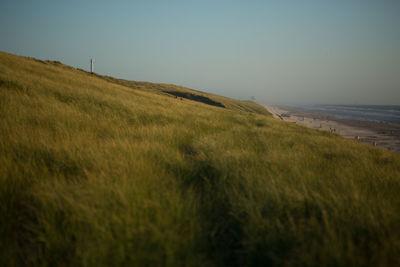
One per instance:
(96, 171)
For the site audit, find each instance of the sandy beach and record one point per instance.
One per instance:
(384, 135)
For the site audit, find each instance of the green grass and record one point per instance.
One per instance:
(96, 171)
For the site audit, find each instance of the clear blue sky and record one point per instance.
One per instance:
(342, 52)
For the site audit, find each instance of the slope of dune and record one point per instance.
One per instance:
(97, 171)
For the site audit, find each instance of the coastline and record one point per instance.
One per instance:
(383, 135)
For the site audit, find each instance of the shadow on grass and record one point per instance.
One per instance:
(194, 97)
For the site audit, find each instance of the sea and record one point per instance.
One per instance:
(380, 113)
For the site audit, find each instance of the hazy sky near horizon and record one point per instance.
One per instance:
(304, 52)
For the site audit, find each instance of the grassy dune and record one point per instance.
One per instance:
(96, 171)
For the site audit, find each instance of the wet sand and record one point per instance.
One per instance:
(384, 135)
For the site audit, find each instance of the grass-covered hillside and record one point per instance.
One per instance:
(96, 171)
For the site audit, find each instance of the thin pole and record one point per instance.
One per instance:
(91, 65)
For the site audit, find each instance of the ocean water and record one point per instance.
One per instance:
(379, 113)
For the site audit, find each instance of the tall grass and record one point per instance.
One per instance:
(95, 173)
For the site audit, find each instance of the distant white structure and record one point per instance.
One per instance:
(91, 65)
